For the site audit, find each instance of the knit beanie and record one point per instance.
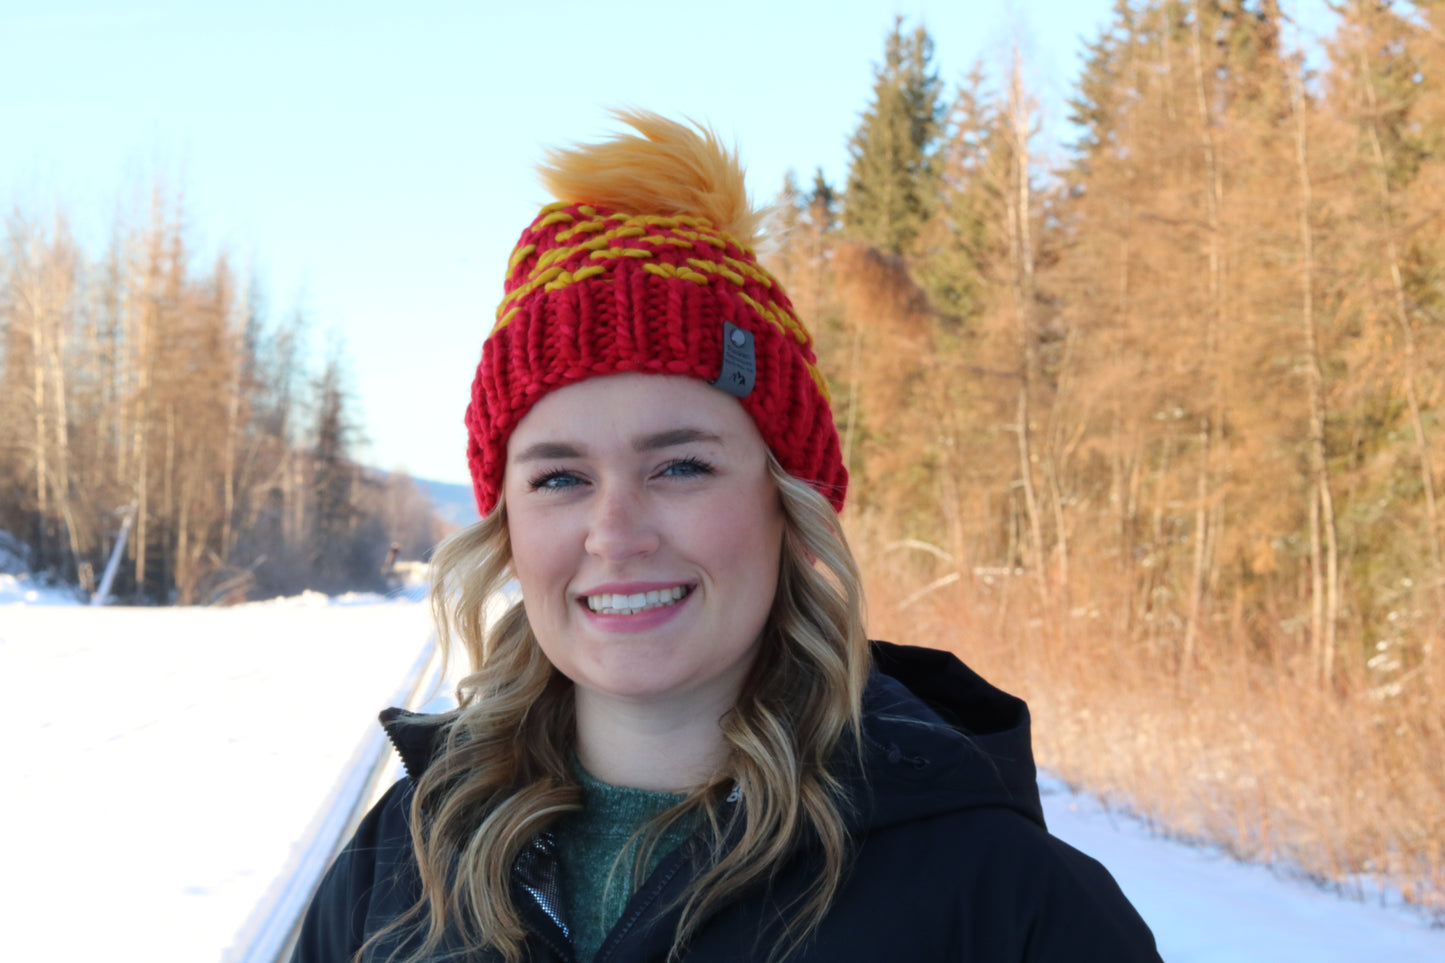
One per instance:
(646, 264)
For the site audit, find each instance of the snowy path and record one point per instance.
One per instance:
(165, 759)
(1207, 908)
(168, 758)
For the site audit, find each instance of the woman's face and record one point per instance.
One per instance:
(646, 535)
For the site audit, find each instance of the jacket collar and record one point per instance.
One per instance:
(417, 737)
(937, 739)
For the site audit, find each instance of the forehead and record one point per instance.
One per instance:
(626, 406)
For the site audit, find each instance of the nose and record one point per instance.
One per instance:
(621, 526)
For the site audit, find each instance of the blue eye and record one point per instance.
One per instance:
(686, 468)
(554, 480)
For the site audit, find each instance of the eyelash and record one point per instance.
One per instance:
(544, 479)
(694, 467)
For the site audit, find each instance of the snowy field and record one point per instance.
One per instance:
(164, 762)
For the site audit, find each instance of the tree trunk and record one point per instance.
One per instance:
(64, 284)
(140, 442)
(854, 360)
(1209, 423)
(1157, 549)
(1324, 558)
(1021, 254)
(228, 480)
(42, 431)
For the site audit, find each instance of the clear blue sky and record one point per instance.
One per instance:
(372, 162)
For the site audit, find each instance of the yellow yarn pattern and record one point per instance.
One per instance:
(612, 238)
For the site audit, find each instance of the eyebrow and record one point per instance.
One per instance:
(674, 437)
(551, 450)
(546, 450)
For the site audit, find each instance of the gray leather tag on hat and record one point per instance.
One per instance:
(740, 363)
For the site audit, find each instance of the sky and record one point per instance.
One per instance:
(371, 164)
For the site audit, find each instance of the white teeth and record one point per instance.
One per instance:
(610, 604)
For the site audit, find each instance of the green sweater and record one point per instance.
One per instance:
(589, 843)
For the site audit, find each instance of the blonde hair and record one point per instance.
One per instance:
(502, 773)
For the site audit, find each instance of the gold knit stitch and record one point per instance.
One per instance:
(713, 267)
(822, 384)
(553, 255)
(783, 320)
(592, 226)
(751, 270)
(719, 239)
(606, 242)
(585, 227)
(532, 283)
(556, 217)
(669, 271)
(664, 239)
(702, 229)
(600, 240)
(581, 274)
(616, 252)
(763, 312)
(518, 256)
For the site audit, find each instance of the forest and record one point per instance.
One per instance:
(1152, 431)
(138, 393)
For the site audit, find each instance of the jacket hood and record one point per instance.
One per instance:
(416, 736)
(937, 739)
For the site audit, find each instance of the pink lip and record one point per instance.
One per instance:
(628, 588)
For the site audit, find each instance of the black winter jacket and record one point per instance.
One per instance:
(952, 861)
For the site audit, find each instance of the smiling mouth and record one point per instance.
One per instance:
(608, 604)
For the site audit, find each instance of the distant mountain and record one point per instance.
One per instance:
(455, 504)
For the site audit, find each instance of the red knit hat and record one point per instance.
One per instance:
(593, 289)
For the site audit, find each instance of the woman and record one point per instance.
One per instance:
(679, 743)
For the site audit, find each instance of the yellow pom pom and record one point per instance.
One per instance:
(670, 170)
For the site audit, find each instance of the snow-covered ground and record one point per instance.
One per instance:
(1205, 907)
(164, 762)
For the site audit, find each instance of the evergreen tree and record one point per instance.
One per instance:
(333, 477)
(893, 170)
(786, 218)
(1096, 108)
(822, 203)
(1383, 83)
(957, 242)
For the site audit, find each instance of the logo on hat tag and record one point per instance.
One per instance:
(740, 365)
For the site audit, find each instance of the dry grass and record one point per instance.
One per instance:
(1345, 786)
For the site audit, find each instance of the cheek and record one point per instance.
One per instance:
(535, 563)
(745, 541)
(532, 561)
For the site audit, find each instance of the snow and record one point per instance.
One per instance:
(1206, 907)
(168, 759)
(16, 589)
(14, 555)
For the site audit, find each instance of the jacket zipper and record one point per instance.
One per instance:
(544, 928)
(643, 901)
